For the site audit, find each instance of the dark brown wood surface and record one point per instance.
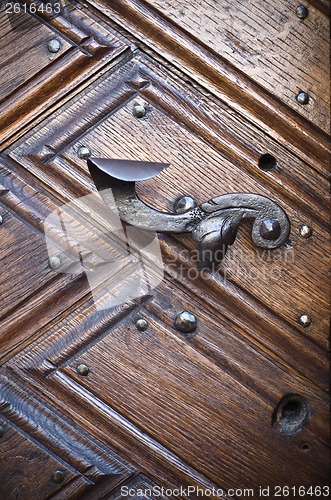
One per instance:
(157, 408)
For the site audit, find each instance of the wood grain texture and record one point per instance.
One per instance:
(28, 284)
(266, 40)
(43, 433)
(21, 465)
(183, 398)
(86, 46)
(221, 78)
(288, 281)
(42, 378)
(192, 407)
(158, 408)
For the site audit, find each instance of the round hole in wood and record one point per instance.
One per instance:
(267, 162)
(291, 413)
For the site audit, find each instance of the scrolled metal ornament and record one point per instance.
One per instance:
(213, 224)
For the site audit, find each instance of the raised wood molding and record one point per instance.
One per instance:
(93, 401)
(92, 46)
(49, 154)
(221, 78)
(81, 455)
(112, 430)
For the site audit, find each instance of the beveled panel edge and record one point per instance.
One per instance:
(39, 423)
(91, 50)
(144, 76)
(222, 79)
(323, 5)
(139, 78)
(111, 429)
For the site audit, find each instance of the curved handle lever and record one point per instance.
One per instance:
(214, 224)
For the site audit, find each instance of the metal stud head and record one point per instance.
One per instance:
(186, 322)
(83, 370)
(302, 11)
(58, 477)
(83, 152)
(55, 262)
(183, 204)
(54, 46)
(305, 320)
(270, 229)
(302, 98)
(1, 219)
(141, 324)
(306, 231)
(139, 110)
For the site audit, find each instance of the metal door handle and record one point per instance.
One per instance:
(213, 224)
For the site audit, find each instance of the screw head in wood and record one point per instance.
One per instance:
(186, 322)
(1, 219)
(139, 110)
(83, 370)
(305, 320)
(141, 324)
(55, 262)
(58, 477)
(302, 11)
(183, 204)
(306, 231)
(54, 46)
(83, 152)
(302, 98)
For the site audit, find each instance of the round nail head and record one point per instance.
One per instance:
(305, 320)
(55, 262)
(270, 229)
(83, 370)
(186, 322)
(302, 98)
(54, 46)
(302, 11)
(183, 204)
(1, 219)
(139, 110)
(306, 231)
(83, 152)
(58, 477)
(141, 324)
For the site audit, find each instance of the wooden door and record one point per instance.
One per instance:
(95, 404)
